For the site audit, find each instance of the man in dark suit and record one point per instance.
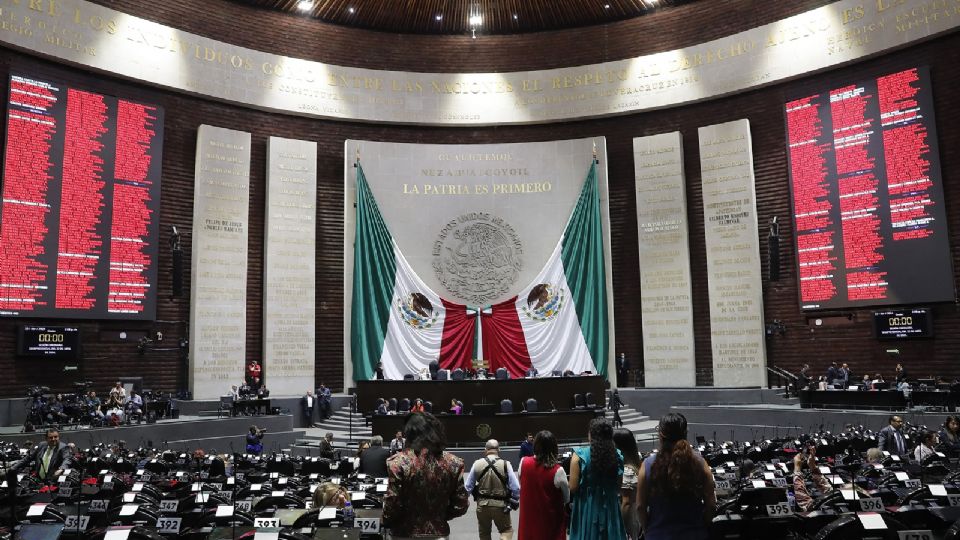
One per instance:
(890, 439)
(46, 461)
(623, 370)
(373, 461)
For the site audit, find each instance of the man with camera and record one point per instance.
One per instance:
(496, 489)
(255, 440)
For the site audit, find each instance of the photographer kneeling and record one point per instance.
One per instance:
(255, 440)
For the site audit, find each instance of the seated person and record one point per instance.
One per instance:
(381, 409)
(94, 411)
(417, 406)
(329, 494)
(802, 496)
(326, 447)
(134, 406)
(455, 407)
(263, 392)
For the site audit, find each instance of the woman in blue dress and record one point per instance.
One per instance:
(675, 488)
(595, 473)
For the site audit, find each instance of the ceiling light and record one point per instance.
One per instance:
(476, 20)
(439, 16)
(606, 6)
(351, 10)
(305, 5)
(514, 16)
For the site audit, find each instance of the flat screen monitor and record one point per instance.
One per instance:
(903, 324)
(60, 342)
(869, 217)
(79, 219)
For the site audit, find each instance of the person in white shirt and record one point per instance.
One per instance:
(928, 440)
(397, 444)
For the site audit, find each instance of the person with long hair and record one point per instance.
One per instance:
(543, 492)
(675, 487)
(424, 488)
(627, 445)
(595, 473)
(950, 435)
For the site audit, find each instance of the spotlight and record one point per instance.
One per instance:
(439, 17)
(476, 20)
(305, 5)
(606, 6)
(514, 16)
(351, 10)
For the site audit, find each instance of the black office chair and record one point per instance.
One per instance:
(502, 374)
(506, 406)
(591, 402)
(457, 374)
(531, 405)
(443, 375)
(409, 377)
(404, 405)
(556, 373)
(579, 402)
(392, 404)
(428, 406)
(433, 367)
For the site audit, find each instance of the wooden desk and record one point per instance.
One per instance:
(470, 429)
(559, 390)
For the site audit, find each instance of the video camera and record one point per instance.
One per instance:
(37, 391)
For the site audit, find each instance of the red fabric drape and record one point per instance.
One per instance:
(503, 342)
(456, 345)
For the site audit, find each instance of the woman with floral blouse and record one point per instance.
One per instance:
(425, 489)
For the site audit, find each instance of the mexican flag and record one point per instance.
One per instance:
(556, 323)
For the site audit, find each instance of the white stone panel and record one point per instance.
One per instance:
(733, 255)
(289, 276)
(665, 296)
(218, 277)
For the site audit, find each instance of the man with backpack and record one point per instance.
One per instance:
(496, 490)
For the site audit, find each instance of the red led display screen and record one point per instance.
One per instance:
(869, 220)
(79, 220)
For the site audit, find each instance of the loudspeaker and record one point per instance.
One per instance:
(773, 256)
(177, 288)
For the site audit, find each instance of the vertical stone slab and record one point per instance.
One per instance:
(733, 254)
(218, 277)
(665, 296)
(289, 276)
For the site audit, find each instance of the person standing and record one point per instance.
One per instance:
(308, 403)
(626, 443)
(543, 492)
(323, 398)
(398, 443)
(615, 404)
(424, 488)
(255, 440)
(373, 460)
(623, 370)
(526, 447)
(595, 473)
(676, 495)
(890, 439)
(493, 484)
(254, 373)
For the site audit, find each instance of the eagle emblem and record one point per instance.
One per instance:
(416, 310)
(544, 302)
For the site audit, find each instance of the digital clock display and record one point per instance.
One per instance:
(902, 324)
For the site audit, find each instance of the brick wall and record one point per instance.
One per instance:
(105, 360)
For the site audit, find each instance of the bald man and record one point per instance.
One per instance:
(493, 485)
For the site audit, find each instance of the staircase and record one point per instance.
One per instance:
(339, 424)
